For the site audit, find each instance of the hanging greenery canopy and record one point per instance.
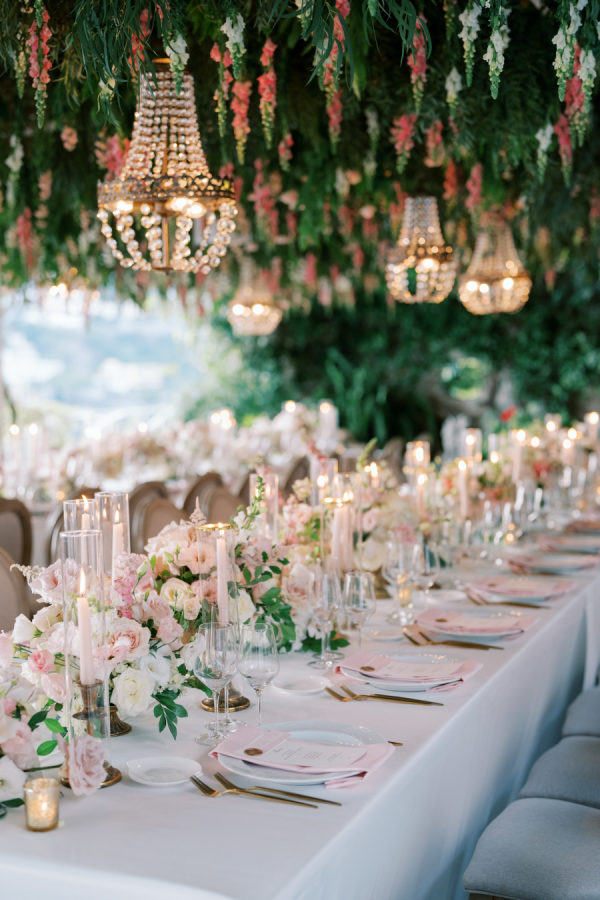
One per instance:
(326, 114)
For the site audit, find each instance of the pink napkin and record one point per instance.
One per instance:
(279, 744)
(520, 588)
(457, 622)
(530, 562)
(392, 669)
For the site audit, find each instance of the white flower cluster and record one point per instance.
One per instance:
(177, 52)
(469, 19)
(13, 162)
(564, 41)
(372, 125)
(234, 33)
(453, 88)
(494, 55)
(587, 73)
(544, 138)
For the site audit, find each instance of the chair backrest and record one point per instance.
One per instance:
(139, 498)
(55, 523)
(300, 469)
(13, 596)
(221, 505)
(15, 530)
(392, 455)
(244, 491)
(157, 513)
(201, 490)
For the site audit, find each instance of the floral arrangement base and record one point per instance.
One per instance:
(113, 775)
(237, 702)
(117, 726)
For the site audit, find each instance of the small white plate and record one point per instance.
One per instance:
(162, 771)
(442, 596)
(383, 634)
(303, 684)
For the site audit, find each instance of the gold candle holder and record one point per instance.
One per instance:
(94, 715)
(41, 804)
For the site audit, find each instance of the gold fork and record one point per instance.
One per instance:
(211, 792)
(260, 788)
(353, 696)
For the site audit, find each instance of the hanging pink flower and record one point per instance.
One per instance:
(401, 134)
(434, 145)
(25, 237)
(284, 151)
(137, 43)
(45, 185)
(265, 208)
(69, 137)
(267, 89)
(39, 60)
(358, 258)
(451, 183)
(565, 146)
(417, 63)
(346, 218)
(334, 111)
(111, 154)
(474, 185)
(239, 106)
(333, 94)
(575, 102)
(310, 271)
(291, 224)
(225, 78)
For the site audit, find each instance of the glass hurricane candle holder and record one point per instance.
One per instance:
(113, 516)
(337, 535)
(81, 514)
(417, 456)
(269, 502)
(471, 445)
(87, 703)
(323, 470)
(41, 797)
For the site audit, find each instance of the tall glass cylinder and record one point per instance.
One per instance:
(417, 456)
(323, 470)
(471, 445)
(87, 701)
(218, 591)
(113, 516)
(81, 514)
(270, 501)
(337, 535)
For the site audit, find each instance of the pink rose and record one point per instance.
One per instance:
(85, 763)
(40, 661)
(370, 520)
(9, 706)
(127, 640)
(6, 649)
(169, 630)
(155, 608)
(54, 686)
(49, 583)
(19, 747)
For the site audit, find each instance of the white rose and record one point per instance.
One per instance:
(176, 592)
(8, 726)
(132, 692)
(245, 607)
(158, 667)
(23, 630)
(190, 652)
(12, 780)
(46, 617)
(373, 555)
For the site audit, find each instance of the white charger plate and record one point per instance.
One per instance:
(477, 613)
(312, 730)
(302, 684)
(162, 771)
(554, 563)
(407, 686)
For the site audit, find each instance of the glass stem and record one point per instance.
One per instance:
(259, 695)
(216, 695)
(324, 634)
(359, 629)
(226, 717)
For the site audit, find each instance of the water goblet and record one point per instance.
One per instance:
(216, 664)
(398, 570)
(327, 601)
(427, 568)
(259, 662)
(359, 599)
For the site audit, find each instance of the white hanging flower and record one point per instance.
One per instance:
(453, 87)
(469, 19)
(494, 55)
(342, 186)
(177, 52)
(370, 165)
(12, 780)
(15, 160)
(544, 137)
(234, 33)
(372, 124)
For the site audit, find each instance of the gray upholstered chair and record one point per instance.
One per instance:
(15, 530)
(569, 771)
(201, 491)
(583, 715)
(300, 469)
(13, 593)
(139, 498)
(538, 849)
(221, 505)
(157, 513)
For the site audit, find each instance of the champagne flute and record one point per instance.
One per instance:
(259, 662)
(216, 664)
(359, 599)
(398, 570)
(327, 602)
(428, 566)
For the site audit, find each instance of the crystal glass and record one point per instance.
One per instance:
(81, 514)
(323, 470)
(327, 602)
(398, 570)
(359, 599)
(216, 664)
(113, 514)
(259, 661)
(427, 568)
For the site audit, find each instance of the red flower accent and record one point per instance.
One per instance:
(507, 414)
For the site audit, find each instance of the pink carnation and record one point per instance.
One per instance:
(40, 661)
(169, 630)
(19, 747)
(84, 756)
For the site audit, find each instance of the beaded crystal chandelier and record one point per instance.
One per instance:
(421, 267)
(253, 311)
(495, 280)
(165, 192)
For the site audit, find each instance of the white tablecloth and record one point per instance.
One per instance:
(406, 833)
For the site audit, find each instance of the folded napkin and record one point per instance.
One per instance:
(389, 668)
(520, 588)
(551, 561)
(456, 622)
(278, 750)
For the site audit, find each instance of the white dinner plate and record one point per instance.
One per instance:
(441, 595)
(162, 771)
(320, 732)
(302, 684)
(514, 588)
(385, 633)
(422, 658)
(554, 563)
(486, 615)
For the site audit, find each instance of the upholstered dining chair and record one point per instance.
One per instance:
(392, 455)
(221, 505)
(139, 498)
(157, 513)
(13, 593)
(201, 490)
(15, 530)
(299, 469)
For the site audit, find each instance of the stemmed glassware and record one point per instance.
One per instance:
(216, 664)
(427, 568)
(259, 662)
(399, 568)
(327, 601)
(359, 599)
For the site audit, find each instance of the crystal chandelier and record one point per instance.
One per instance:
(421, 267)
(165, 192)
(495, 280)
(253, 311)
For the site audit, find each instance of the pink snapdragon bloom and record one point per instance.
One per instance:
(434, 145)
(69, 137)
(417, 63)
(267, 90)
(310, 270)
(284, 151)
(474, 184)
(239, 107)
(575, 102)
(451, 183)
(402, 137)
(84, 756)
(565, 145)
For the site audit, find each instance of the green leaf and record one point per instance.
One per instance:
(13, 804)
(46, 748)
(37, 718)
(55, 726)
(157, 710)
(181, 711)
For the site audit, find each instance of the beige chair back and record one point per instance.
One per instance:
(300, 469)
(201, 490)
(221, 505)
(139, 498)
(392, 455)
(156, 514)
(15, 530)
(13, 593)
(55, 523)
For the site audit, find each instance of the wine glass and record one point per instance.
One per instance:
(359, 599)
(398, 570)
(216, 664)
(259, 662)
(327, 602)
(427, 568)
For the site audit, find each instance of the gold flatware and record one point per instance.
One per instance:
(337, 696)
(396, 743)
(422, 640)
(353, 696)
(211, 792)
(479, 601)
(259, 787)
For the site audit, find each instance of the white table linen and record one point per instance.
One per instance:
(406, 833)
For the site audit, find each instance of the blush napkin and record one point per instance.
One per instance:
(454, 622)
(462, 670)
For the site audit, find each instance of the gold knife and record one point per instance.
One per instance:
(259, 787)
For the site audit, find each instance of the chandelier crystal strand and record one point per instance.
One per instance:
(495, 280)
(421, 268)
(253, 310)
(165, 192)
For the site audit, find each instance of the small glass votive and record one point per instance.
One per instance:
(41, 803)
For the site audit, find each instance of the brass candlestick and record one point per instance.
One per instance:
(236, 703)
(95, 716)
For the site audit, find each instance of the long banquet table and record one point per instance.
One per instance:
(406, 833)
